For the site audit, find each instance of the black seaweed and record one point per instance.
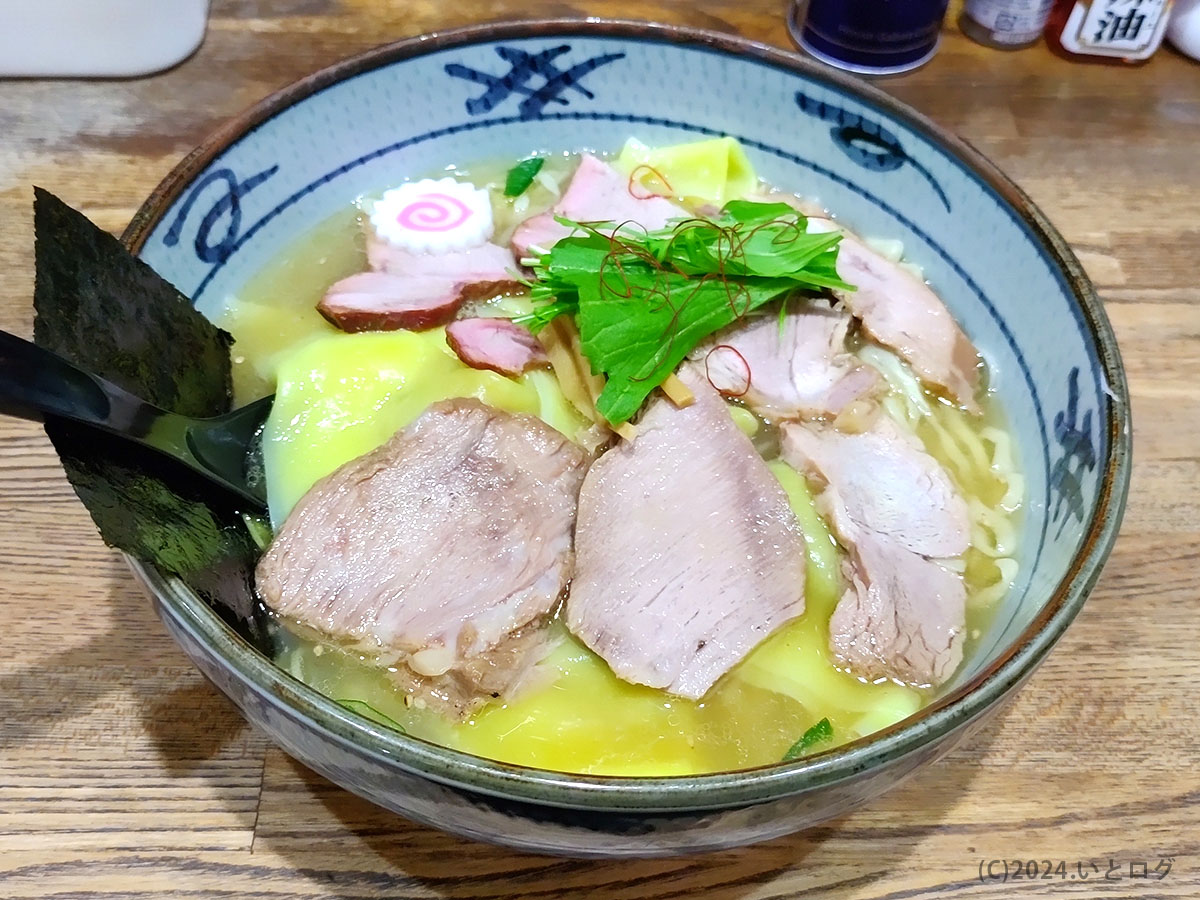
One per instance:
(109, 312)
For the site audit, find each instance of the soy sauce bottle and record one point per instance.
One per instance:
(1108, 31)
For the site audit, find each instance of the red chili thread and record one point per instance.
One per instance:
(728, 251)
(634, 178)
(745, 365)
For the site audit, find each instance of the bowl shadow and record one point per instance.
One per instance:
(125, 651)
(350, 846)
(128, 663)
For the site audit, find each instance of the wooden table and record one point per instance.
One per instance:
(122, 773)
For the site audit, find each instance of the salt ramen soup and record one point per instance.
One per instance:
(341, 395)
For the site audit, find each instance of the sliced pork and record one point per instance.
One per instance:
(901, 617)
(416, 290)
(496, 344)
(799, 370)
(503, 671)
(902, 312)
(597, 193)
(896, 512)
(687, 552)
(487, 263)
(437, 546)
(537, 235)
(379, 301)
(882, 480)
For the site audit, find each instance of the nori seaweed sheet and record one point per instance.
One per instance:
(110, 313)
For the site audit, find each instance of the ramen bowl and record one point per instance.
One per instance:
(504, 91)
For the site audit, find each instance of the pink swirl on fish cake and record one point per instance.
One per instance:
(434, 212)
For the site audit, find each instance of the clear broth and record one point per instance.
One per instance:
(580, 717)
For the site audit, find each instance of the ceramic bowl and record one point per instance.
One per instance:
(503, 91)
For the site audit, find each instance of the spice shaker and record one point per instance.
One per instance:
(1005, 24)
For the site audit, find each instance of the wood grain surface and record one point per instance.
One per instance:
(124, 774)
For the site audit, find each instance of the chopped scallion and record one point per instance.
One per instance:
(821, 733)
(521, 176)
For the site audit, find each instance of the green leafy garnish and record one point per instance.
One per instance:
(521, 176)
(543, 315)
(821, 733)
(367, 711)
(259, 529)
(643, 301)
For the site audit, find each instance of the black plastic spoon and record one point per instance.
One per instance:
(35, 383)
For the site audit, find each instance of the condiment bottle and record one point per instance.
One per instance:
(871, 37)
(1112, 31)
(1184, 28)
(1005, 24)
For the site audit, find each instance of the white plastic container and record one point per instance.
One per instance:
(105, 38)
(1183, 31)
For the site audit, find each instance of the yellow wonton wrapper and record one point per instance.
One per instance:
(341, 396)
(713, 171)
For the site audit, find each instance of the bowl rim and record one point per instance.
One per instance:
(928, 726)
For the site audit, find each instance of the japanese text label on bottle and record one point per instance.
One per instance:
(1128, 29)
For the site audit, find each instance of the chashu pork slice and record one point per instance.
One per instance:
(901, 617)
(896, 512)
(902, 312)
(496, 344)
(486, 263)
(436, 547)
(597, 193)
(379, 301)
(411, 290)
(800, 369)
(687, 552)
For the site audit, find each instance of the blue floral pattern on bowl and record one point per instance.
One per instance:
(524, 67)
